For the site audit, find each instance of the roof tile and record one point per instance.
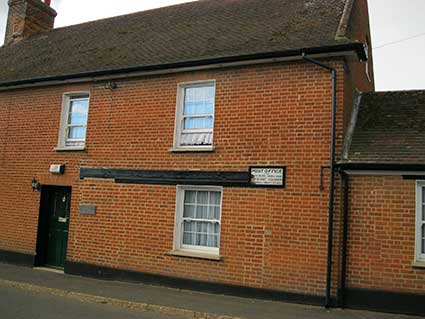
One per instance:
(390, 129)
(199, 30)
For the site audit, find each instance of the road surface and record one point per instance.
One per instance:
(17, 303)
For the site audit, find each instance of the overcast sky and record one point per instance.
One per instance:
(398, 66)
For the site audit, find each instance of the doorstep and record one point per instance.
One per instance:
(51, 269)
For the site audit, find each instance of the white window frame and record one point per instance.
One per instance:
(178, 245)
(179, 118)
(64, 126)
(419, 256)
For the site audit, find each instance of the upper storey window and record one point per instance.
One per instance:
(195, 115)
(75, 109)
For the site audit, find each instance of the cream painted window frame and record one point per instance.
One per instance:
(178, 126)
(178, 224)
(419, 256)
(63, 130)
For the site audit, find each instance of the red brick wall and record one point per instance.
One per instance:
(265, 115)
(29, 125)
(381, 246)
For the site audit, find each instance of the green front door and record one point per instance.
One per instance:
(58, 223)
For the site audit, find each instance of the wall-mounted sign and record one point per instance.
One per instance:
(268, 176)
(88, 209)
(57, 168)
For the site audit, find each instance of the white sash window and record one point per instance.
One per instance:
(198, 219)
(195, 115)
(74, 117)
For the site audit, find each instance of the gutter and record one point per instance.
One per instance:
(332, 177)
(381, 167)
(269, 57)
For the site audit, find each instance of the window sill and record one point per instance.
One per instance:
(192, 149)
(70, 149)
(192, 254)
(418, 264)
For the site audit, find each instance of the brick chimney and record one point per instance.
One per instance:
(28, 17)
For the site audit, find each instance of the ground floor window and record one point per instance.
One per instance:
(420, 221)
(198, 219)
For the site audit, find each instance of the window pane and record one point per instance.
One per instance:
(202, 212)
(202, 197)
(189, 108)
(215, 212)
(423, 203)
(209, 107)
(201, 138)
(189, 94)
(198, 108)
(77, 132)
(189, 211)
(189, 234)
(79, 106)
(199, 93)
(423, 212)
(215, 198)
(201, 233)
(423, 239)
(423, 246)
(199, 100)
(210, 92)
(189, 196)
(77, 118)
(192, 123)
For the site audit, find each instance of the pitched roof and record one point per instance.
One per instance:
(187, 33)
(390, 129)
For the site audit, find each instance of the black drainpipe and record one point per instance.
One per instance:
(346, 205)
(332, 179)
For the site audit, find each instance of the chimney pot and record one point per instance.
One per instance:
(47, 2)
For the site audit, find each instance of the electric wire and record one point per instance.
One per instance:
(399, 41)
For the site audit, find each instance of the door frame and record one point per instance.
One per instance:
(43, 222)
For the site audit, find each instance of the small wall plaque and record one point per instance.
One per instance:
(88, 209)
(57, 168)
(268, 176)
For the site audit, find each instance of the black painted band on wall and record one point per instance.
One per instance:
(385, 301)
(106, 273)
(167, 177)
(16, 258)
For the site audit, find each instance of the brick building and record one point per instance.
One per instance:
(190, 146)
